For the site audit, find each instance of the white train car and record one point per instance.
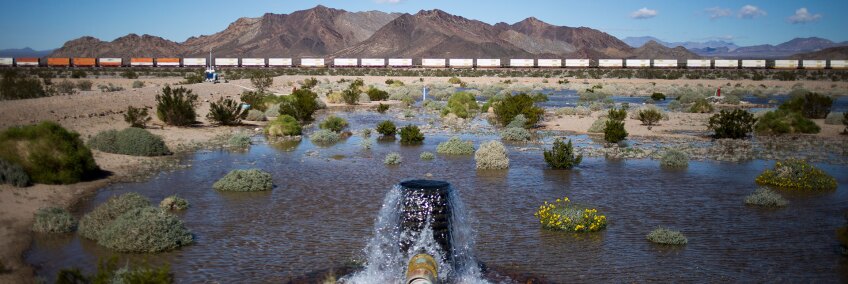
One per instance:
(549, 63)
(698, 63)
(227, 62)
(345, 62)
(373, 62)
(400, 62)
(312, 62)
(433, 62)
(726, 63)
(7, 61)
(523, 63)
(577, 63)
(753, 63)
(637, 63)
(193, 62)
(786, 64)
(280, 62)
(610, 63)
(838, 64)
(461, 63)
(814, 64)
(253, 62)
(665, 63)
(488, 63)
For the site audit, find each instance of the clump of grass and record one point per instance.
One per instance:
(393, 158)
(765, 197)
(145, 229)
(244, 181)
(53, 220)
(48, 153)
(675, 159)
(491, 156)
(426, 156)
(174, 202)
(239, 140)
(92, 224)
(130, 141)
(455, 146)
(255, 115)
(13, 174)
(283, 125)
(324, 137)
(333, 123)
(798, 175)
(666, 236)
(517, 134)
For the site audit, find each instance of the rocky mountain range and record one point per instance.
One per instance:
(724, 49)
(24, 52)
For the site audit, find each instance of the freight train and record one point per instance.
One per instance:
(482, 63)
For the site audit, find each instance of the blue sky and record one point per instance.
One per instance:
(43, 24)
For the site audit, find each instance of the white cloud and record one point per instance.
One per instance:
(644, 13)
(751, 11)
(387, 1)
(718, 12)
(802, 16)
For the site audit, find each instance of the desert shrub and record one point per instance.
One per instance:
(333, 123)
(137, 84)
(511, 106)
(176, 106)
(65, 87)
(834, 118)
(491, 156)
(375, 94)
(798, 175)
(110, 88)
(53, 220)
(658, 96)
(301, 104)
(614, 131)
(245, 180)
(109, 272)
(562, 156)
(226, 112)
(596, 106)
(92, 224)
(784, 122)
(598, 125)
(365, 132)
(324, 137)
(273, 110)
(518, 134)
(617, 114)
(365, 144)
(174, 202)
(239, 140)
(674, 106)
(255, 115)
(363, 98)
(732, 100)
(735, 124)
(137, 117)
(84, 85)
(16, 87)
(309, 83)
(426, 156)
(261, 80)
(129, 74)
(673, 158)
(562, 215)
(540, 98)
(350, 96)
(810, 105)
(454, 80)
(764, 197)
(518, 122)
(13, 174)
(256, 100)
(462, 104)
(393, 158)
(145, 230)
(455, 146)
(283, 125)
(386, 128)
(410, 134)
(130, 141)
(649, 117)
(382, 108)
(48, 153)
(666, 236)
(701, 106)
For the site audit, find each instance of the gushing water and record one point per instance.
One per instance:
(393, 244)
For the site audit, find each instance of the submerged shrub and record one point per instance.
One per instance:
(53, 220)
(614, 131)
(145, 229)
(386, 128)
(239, 140)
(562, 215)
(511, 106)
(426, 156)
(255, 115)
(48, 153)
(137, 117)
(784, 122)
(735, 124)
(92, 224)
(245, 180)
(462, 104)
(561, 156)
(324, 137)
(658, 96)
(666, 236)
(598, 125)
(130, 141)
(333, 123)
(176, 106)
(173, 202)
(455, 146)
(765, 197)
(674, 158)
(283, 125)
(798, 175)
(491, 156)
(301, 104)
(393, 158)
(518, 134)
(810, 105)
(410, 134)
(13, 174)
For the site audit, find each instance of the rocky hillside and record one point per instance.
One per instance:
(655, 50)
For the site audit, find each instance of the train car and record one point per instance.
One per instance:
(814, 64)
(637, 63)
(610, 63)
(7, 61)
(253, 62)
(574, 63)
(522, 63)
(838, 64)
(549, 63)
(141, 61)
(312, 62)
(373, 62)
(488, 63)
(786, 64)
(168, 62)
(753, 63)
(84, 61)
(109, 62)
(26, 62)
(461, 63)
(726, 63)
(280, 62)
(665, 63)
(194, 62)
(400, 62)
(698, 63)
(433, 62)
(226, 62)
(345, 62)
(58, 62)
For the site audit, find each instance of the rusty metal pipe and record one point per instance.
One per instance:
(422, 269)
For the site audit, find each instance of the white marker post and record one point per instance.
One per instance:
(425, 94)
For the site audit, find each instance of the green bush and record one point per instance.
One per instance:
(649, 117)
(130, 141)
(48, 153)
(796, 174)
(784, 122)
(324, 137)
(666, 236)
(261, 80)
(614, 131)
(735, 124)
(333, 123)
(674, 106)
(255, 115)
(256, 100)
(239, 140)
(701, 106)
(673, 158)
(491, 156)
(410, 134)
(381, 108)
(511, 106)
(454, 80)
(386, 128)
(540, 98)
(176, 106)
(129, 74)
(16, 87)
(13, 174)
(375, 94)
(245, 180)
(226, 112)
(518, 122)
(84, 85)
(393, 158)
(283, 125)
(764, 197)
(137, 117)
(617, 114)
(598, 125)
(301, 104)
(426, 156)
(562, 156)
(53, 220)
(517, 134)
(350, 95)
(455, 146)
(461, 104)
(65, 87)
(273, 111)
(732, 100)
(658, 96)
(810, 105)
(145, 230)
(109, 272)
(174, 202)
(137, 84)
(91, 225)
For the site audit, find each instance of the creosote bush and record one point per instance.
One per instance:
(256, 100)
(92, 224)
(649, 117)
(53, 220)
(735, 124)
(386, 128)
(245, 180)
(764, 197)
(598, 125)
(174, 202)
(255, 115)
(701, 106)
(516, 134)
(137, 117)
(15, 87)
(491, 156)
(810, 105)
(666, 236)
(176, 106)
(382, 108)
(614, 131)
(410, 134)
(137, 84)
(145, 230)
(518, 122)
(455, 146)
(226, 112)
(562, 215)
(333, 123)
(562, 156)
(301, 104)
(784, 122)
(48, 153)
(511, 106)
(324, 137)
(239, 140)
(658, 96)
(426, 156)
(283, 125)
(797, 175)
(13, 174)
(462, 104)
(375, 94)
(130, 141)
(393, 158)
(675, 159)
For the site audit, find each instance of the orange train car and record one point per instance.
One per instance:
(141, 61)
(84, 62)
(172, 62)
(109, 62)
(26, 61)
(58, 62)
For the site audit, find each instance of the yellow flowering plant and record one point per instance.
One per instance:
(562, 215)
(798, 175)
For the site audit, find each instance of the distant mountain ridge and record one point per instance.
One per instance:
(24, 52)
(723, 49)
